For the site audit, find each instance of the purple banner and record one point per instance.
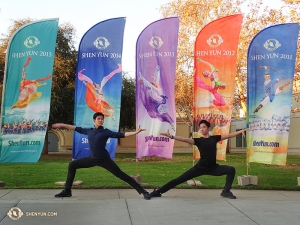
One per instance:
(156, 53)
(99, 82)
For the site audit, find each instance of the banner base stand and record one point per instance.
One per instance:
(2, 184)
(194, 183)
(191, 183)
(247, 180)
(298, 178)
(75, 183)
(137, 178)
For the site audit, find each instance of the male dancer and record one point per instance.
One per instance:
(97, 138)
(207, 165)
(269, 88)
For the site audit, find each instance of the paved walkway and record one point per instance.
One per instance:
(126, 207)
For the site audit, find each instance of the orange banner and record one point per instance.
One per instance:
(215, 69)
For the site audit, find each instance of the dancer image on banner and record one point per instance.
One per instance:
(153, 99)
(269, 88)
(94, 93)
(28, 89)
(216, 83)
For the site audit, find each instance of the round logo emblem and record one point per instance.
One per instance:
(31, 42)
(101, 43)
(156, 42)
(215, 40)
(272, 44)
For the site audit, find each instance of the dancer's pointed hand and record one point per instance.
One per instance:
(243, 132)
(56, 125)
(167, 134)
(140, 129)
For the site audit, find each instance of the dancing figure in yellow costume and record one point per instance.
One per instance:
(28, 89)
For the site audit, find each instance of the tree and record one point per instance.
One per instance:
(127, 115)
(63, 82)
(194, 15)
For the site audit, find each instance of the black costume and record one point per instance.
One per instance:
(206, 165)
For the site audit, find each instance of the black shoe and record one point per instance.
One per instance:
(147, 196)
(64, 193)
(155, 193)
(258, 108)
(228, 194)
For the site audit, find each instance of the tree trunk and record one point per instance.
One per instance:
(45, 148)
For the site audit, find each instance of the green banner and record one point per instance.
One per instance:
(27, 91)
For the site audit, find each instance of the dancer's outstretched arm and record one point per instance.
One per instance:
(178, 138)
(63, 125)
(134, 132)
(212, 68)
(44, 78)
(106, 78)
(83, 77)
(156, 75)
(234, 134)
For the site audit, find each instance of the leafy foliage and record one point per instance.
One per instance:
(63, 83)
(127, 115)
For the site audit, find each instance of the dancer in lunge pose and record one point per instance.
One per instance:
(207, 145)
(97, 138)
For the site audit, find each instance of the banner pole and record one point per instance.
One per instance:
(136, 166)
(247, 153)
(247, 165)
(193, 164)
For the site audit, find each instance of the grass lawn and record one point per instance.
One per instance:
(154, 172)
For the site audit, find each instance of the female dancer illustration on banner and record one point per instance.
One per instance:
(216, 84)
(94, 94)
(28, 89)
(153, 99)
(269, 88)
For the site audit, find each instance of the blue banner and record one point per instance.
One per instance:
(99, 81)
(27, 91)
(271, 64)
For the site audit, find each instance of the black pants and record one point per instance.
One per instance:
(196, 171)
(107, 164)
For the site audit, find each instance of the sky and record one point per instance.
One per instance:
(84, 14)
